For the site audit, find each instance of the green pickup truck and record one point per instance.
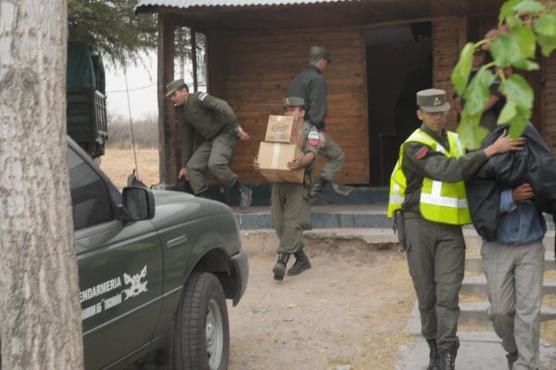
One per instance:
(155, 269)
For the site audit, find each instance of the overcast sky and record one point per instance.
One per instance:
(141, 81)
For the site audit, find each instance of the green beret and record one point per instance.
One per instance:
(293, 101)
(174, 86)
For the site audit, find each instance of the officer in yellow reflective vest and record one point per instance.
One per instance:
(427, 186)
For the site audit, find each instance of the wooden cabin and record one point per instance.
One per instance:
(382, 51)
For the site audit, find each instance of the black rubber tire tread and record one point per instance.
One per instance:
(189, 333)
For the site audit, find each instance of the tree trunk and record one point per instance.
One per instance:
(40, 313)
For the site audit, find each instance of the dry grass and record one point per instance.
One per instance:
(549, 300)
(466, 298)
(548, 332)
(119, 163)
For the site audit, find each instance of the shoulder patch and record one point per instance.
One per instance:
(422, 153)
(313, 138)
(202, 96)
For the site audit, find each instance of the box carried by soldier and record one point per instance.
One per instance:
(279, 129)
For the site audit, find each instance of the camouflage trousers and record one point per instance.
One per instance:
(335, 157)
(436, 258)
(291, 214)
(212, 157)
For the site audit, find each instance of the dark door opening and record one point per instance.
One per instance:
(399, 63)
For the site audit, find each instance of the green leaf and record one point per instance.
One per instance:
(461, 71)
(527, 65)
(548, 44)
(529, 6)
(478, 92)
(508, 112)
(470, 133)
(525, 38)
(513, 21)
(546, 25)
(507, 9)
(504, 48)
(519, 122)
(518, 90)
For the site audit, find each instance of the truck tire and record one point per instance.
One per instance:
(201, 334)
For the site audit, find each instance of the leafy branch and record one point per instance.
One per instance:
(523, 25)
(112, 28)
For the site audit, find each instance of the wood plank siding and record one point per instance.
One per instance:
(445, 51)
(548, 127)
(259, 67)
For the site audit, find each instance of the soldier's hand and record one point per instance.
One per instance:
(294, 165)
(242, 134)
(256, 164)
(183, 174)
(504, 144)
(523, 192)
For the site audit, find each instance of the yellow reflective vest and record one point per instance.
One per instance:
(442, 202)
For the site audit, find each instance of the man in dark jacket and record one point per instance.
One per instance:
(509, 218)
(311, 86)
(212, 120)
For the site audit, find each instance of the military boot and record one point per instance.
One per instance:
(301, 263)
(279, 268)
(512, 357)
(245, 196)
(448, 360)
(317, 189)
(434, 357)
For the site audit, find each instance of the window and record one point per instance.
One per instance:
(191, 60)
(91, 203)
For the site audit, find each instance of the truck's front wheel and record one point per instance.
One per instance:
(201, 336)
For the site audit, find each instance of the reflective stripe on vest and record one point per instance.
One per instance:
(441, 202)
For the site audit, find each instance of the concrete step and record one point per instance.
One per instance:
(473, 241)
(350, 216)
(475, 263)
(476, 313)
(476, 285)
(471, 313)
(480, 350)
(322, 217)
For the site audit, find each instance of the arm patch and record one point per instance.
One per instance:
(202, 96)
(313, 138)
(422, 153)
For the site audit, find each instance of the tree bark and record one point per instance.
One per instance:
(40, 313)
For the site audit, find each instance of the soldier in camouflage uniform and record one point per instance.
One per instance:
(311, 86)
(290, 208)
(214, 121)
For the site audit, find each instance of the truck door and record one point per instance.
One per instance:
(120, 269)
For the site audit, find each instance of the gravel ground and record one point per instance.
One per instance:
(350, 308)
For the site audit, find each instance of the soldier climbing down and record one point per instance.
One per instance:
(214, 121)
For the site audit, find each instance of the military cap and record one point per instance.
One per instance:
(432, 100)
(174, 86)
(293, 101)
(317, 52)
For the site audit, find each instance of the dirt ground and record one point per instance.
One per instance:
(350, 308)
(118, 164)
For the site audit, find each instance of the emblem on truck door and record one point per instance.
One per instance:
(137, 286)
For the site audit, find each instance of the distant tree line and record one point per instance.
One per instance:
(145, 131)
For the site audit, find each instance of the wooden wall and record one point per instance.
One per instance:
(548, 96)
(445, 51)
(259, 67)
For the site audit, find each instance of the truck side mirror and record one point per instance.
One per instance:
(138, 203)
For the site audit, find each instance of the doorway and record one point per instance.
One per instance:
(399, 63)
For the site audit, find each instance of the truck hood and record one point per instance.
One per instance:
(175, 207)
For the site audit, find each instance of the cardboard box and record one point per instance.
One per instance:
(279, 129)
(273, 160)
